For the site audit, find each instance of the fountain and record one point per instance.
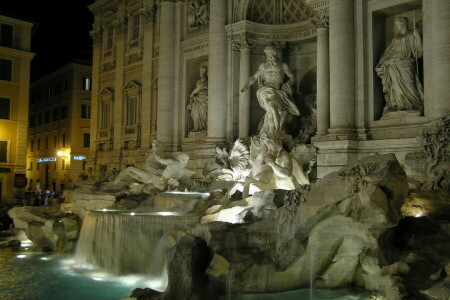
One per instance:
(124, 242)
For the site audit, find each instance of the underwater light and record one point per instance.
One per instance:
(104, 209)
(419, 215)
(132, 214)
(21, 256)
(45, 258)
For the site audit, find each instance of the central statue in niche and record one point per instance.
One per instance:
(274, 95)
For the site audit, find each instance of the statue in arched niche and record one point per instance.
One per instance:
(198, 102)
(274, 95)
(398, 70)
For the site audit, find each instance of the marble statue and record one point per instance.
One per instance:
(154, 172)
(274, 95)
(198, 13)
(198, 102)
(235, 164)
(398, 70)
(272, 167)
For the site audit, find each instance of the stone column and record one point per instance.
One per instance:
(166, 73)
(218, 73)
(440, 23)
(96, 35)
(147, 70)
(323, 74)
(342, 69)
(120, 29)
(244, 47)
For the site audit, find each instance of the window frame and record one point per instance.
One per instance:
(12, 35)
(9, 108)
(12, 69)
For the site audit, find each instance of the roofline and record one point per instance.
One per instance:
(58, 71)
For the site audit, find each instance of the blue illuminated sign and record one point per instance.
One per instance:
(46, 159)
(79, 157)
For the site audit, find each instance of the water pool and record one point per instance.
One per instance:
(36, 276)
(41, 276)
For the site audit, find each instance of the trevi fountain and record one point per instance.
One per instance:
(282, 149)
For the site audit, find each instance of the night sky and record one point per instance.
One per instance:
(61, 34)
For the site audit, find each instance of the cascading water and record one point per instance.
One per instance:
(127, 242)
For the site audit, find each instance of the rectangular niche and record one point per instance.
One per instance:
(192, 75)
(381, 18)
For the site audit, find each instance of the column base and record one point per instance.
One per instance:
(343, 133)
(332, 155)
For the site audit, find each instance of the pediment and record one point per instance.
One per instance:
(106, 92)
(132, 85)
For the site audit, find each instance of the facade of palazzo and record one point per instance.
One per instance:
(147, 55)
(59, 131)
(15, 58)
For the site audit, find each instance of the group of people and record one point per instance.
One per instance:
(39, 197)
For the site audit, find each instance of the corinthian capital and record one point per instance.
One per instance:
(96, 35)
(148, 14)
(241, 42)
(320, 21)
(120, 25)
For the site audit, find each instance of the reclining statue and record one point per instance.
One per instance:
(154, 172)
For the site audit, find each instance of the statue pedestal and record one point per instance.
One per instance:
(405, 114)
(194, 134)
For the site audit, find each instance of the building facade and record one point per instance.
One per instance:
(59, 133)
(147, 55)
(15, 58)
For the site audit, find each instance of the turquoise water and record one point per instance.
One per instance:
(305, 295)
(40, 276)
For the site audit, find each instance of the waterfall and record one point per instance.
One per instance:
(126, 242)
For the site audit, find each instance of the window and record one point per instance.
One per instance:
(39, 119)
(49, 92)
(85, 111)
(131, 111)
(37, 167)
(64, 112)
(57, 88)
(63, 164)
(87, 83)
(46, 142)
(32, 145)
(6, 35)
(134, 28)
(109, 37)
(31, 182)
(55, 141)
(48, 115)
(39, 144)
(3, 151)
(55, 114)
(31, 166)
(86, 140)
(105, 115)
(5, 69)
(5, 107)
(32, 121)
(63, 140)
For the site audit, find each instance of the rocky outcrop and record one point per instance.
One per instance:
(188, 261)
(47, 227)
(327, 232)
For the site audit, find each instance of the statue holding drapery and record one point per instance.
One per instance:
(398, 70)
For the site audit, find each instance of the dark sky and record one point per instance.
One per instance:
(62, 32)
